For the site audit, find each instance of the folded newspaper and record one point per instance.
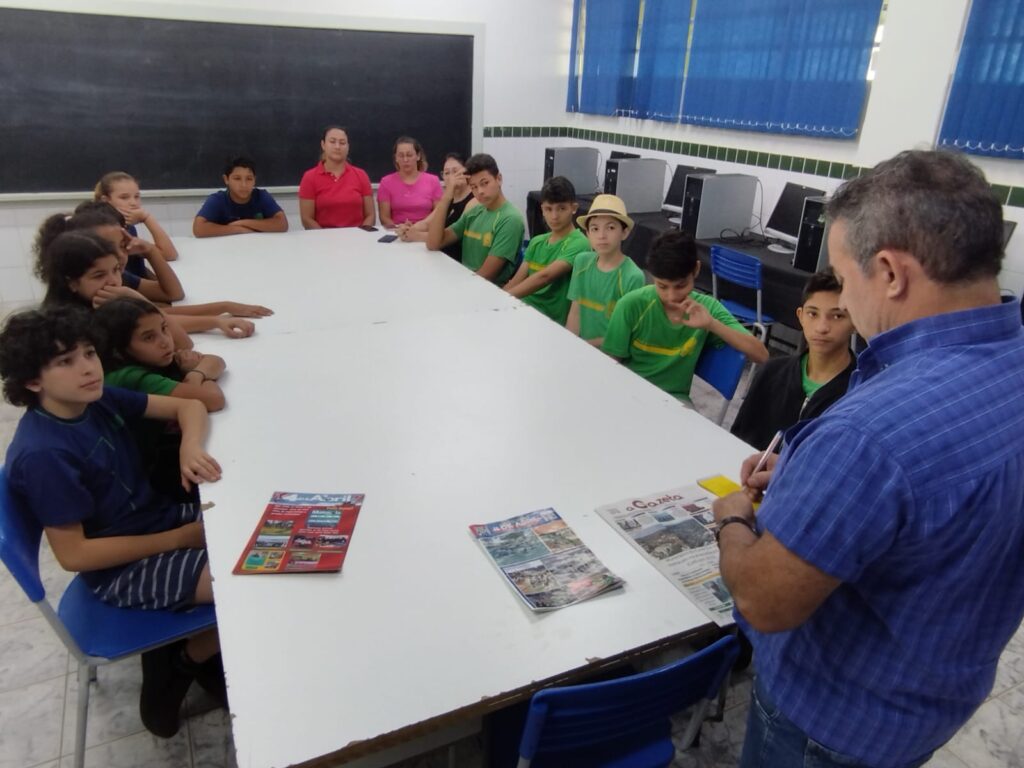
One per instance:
(674, 530)
(544, 561)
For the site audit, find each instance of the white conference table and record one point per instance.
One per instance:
(394, 372)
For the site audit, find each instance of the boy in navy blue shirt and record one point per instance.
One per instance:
(74, 466)
(242, 207)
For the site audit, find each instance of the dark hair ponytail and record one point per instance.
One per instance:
(86, 216)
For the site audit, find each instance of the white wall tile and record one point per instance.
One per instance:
(13, 247)
(18, 285)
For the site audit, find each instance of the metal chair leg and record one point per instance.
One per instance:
(86, 673)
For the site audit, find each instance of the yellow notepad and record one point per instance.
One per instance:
(720, 485)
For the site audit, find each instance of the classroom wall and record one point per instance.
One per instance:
(524, 62)
(525, 65)
(916, 60)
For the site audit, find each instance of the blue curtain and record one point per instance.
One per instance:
(780, 66)
(609, 50)
(658, 89)
(985, 110)
(572, 100)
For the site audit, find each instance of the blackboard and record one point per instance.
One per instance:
(170, 101)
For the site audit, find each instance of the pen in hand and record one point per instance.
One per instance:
(763, 460)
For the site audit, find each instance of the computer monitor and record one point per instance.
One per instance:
(784, 223)
(674, 198)
(617, 155)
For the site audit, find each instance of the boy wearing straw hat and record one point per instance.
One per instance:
(601, 278)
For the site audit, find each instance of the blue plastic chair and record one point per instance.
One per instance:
(94, 632)
(624, 722)
(743, 270)
(722, 368)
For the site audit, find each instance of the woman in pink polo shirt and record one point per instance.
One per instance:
(334, 193)
(408, 195)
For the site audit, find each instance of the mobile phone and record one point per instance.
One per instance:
(388, 239)
(367, 228)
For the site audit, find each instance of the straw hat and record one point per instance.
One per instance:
(607, 205)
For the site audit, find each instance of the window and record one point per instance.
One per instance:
(785, 66)
(661, 59)
(985, 109)
(604, 54)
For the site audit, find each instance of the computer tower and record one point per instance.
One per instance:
(611, 170)
(811, 254)
(639, 182)
(717, 204)
(577, 164)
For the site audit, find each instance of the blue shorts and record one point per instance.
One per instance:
(167, 580)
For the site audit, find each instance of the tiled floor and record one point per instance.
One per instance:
(38, 687)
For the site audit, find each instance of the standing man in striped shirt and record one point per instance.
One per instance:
(883, 573)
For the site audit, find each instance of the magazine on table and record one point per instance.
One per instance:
(544, 560)
(675, 530)
(302, 533)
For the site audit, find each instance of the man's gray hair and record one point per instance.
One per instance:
(935, 205)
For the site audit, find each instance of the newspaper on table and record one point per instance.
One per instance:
(544, 560)
(674, 530)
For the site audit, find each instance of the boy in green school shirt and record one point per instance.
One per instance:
(542, 280)
(601, 278)
(659, 331)
(491, 233)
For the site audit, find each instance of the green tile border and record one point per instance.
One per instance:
(1012, 196)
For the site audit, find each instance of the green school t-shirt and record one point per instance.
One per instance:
(652, 346)
(553, 298)
(491, 233)
(810, 386)
(140, 379)
(598, 292)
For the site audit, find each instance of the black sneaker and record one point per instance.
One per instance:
(211, 679)
(166, 677)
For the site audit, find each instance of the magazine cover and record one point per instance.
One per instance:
(302, 533)
(544, 561)
(674, 530)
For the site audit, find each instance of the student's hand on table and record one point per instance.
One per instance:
(235, 327)
(402, 229)
(695, 314)
(247, 310)
(197, 466)
(105, 294)
(755, 484)
(187, 359)
(193, 536)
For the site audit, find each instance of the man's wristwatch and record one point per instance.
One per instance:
(734, 519)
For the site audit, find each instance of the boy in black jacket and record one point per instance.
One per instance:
(789, 389)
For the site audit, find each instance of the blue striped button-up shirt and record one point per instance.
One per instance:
(910, 490)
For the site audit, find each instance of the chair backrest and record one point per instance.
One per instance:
(19, 543)
(722, 368)
(740, 268)
(576, 717)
